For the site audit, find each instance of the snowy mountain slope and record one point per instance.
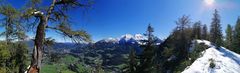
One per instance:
(109, 40)
(225, 61)
(128, 38)
(133, 39)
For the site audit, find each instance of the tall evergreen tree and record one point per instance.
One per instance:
(98, 68)
(14, 30)
(147, 58)
(197, 30)
(237, 36)
(204, 32)
(132, 63)
(229, 37)
(215, 31)
(182, 36)
(5, 56)
(181, 43)
(11, 22)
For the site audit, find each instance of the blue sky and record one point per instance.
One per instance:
(113, 18)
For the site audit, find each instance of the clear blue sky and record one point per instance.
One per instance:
(113, 18)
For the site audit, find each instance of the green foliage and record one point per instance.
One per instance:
(229, 37)
(49, 69)
(197, 30)
(205, 34)
(75, 35)
(69, 59)
(54, 57)
(15, 53)
(194, 54)
(236, 37)
(34, 3)
(167, 52)
(148, 58)
(175, 49)
(63, 65)
(14, 30)
(4, 53)
(3, 70)
(215, 31)
(212, 64)
(132, 63)
(98, 68)
(182, 37)
(83, 69)
(11, 22)
(55, 13)
(182, 66)
(197, 49)
(13, 57)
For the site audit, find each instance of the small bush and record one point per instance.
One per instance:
(212, 64)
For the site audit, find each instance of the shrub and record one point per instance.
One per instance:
(212, 64)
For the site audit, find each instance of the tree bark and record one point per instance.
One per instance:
(39, 41)
(38, 46)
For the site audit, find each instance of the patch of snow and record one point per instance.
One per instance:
(127, 36)
(225, 61)
(38, 12)
(108, 40)
(139, 37)
(205, 42)
(173, 57)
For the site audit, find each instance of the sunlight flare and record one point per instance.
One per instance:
(209, 2)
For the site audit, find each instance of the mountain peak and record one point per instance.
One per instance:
(108, 40)
(127, 36)
(139, 37)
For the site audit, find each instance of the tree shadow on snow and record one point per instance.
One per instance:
(229, 54)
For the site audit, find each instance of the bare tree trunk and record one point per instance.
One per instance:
(39, 41)
(38, 46)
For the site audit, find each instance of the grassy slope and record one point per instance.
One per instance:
(63, 65)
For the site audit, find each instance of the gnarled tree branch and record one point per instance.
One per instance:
(76, 36)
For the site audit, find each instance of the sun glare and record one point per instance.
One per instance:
(209, 2)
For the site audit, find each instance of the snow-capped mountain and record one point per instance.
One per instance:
(137, 37)
(109, 40)
(225, 61)
(128, 38)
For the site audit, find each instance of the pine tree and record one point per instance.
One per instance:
(236, 41)
(14, 30)
(197, 30)
(11, 22)
(215, 31)
(204, 32)
(4, 57)
(98, 68)
(229, 37)
(147, 58)
(132, 63)
(182, 35)
(181, 43)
